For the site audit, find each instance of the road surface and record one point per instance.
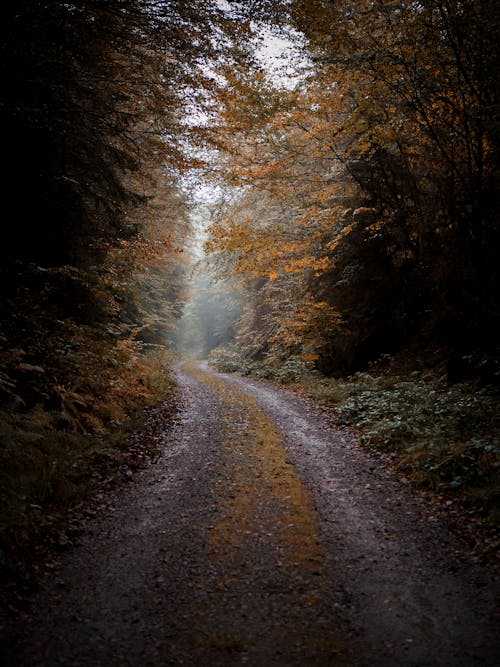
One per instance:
(263, 536)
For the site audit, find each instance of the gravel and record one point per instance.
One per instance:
(411, 596)
(148, 585)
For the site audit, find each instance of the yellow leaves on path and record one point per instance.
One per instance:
(260, 490)
(265, 592)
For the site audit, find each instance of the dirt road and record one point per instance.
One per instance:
(262, 537)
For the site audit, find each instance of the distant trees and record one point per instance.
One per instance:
(210, 317)
(386, 162)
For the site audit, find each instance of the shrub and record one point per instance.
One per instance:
(228, 360)
(52, 454)
(446, 438)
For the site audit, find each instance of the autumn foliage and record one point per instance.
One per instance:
(358, 212)
(366, 213)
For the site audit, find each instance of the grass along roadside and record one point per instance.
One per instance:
(54, 460)
(444, 438)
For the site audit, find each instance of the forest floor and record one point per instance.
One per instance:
(263, 536)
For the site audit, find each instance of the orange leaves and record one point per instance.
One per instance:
(321, 265)
(307, 327)
(259, 171)
(141, 253)
(376, 226)
(310, 356)
(273, 250)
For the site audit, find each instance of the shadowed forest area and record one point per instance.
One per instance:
(339, 162)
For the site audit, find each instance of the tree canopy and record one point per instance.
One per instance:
(377, 182)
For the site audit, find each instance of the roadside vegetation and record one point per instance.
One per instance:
(441, 437)
(53, 459)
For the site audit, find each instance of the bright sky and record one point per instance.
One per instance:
(281, 56)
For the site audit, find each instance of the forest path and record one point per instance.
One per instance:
(263, 537)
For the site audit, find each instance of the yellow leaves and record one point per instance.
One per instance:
(334, 243)
(377, 226)
(363, 210)
(306, 325)
(299, 265)
(309, 356)
(270, 243)
(142, 252)
(321, 265)
(262, 170)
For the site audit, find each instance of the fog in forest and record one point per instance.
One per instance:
(214, 304)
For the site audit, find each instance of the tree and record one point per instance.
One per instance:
(388, 157)
(418, 87)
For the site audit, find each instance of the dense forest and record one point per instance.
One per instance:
(367, 215)
(96, 222)
(356, 216)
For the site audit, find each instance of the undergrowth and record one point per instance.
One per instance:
(54, 453)
(444, 437)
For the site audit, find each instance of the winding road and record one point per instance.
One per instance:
(263, 536)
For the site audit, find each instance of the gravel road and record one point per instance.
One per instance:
(263, 536)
